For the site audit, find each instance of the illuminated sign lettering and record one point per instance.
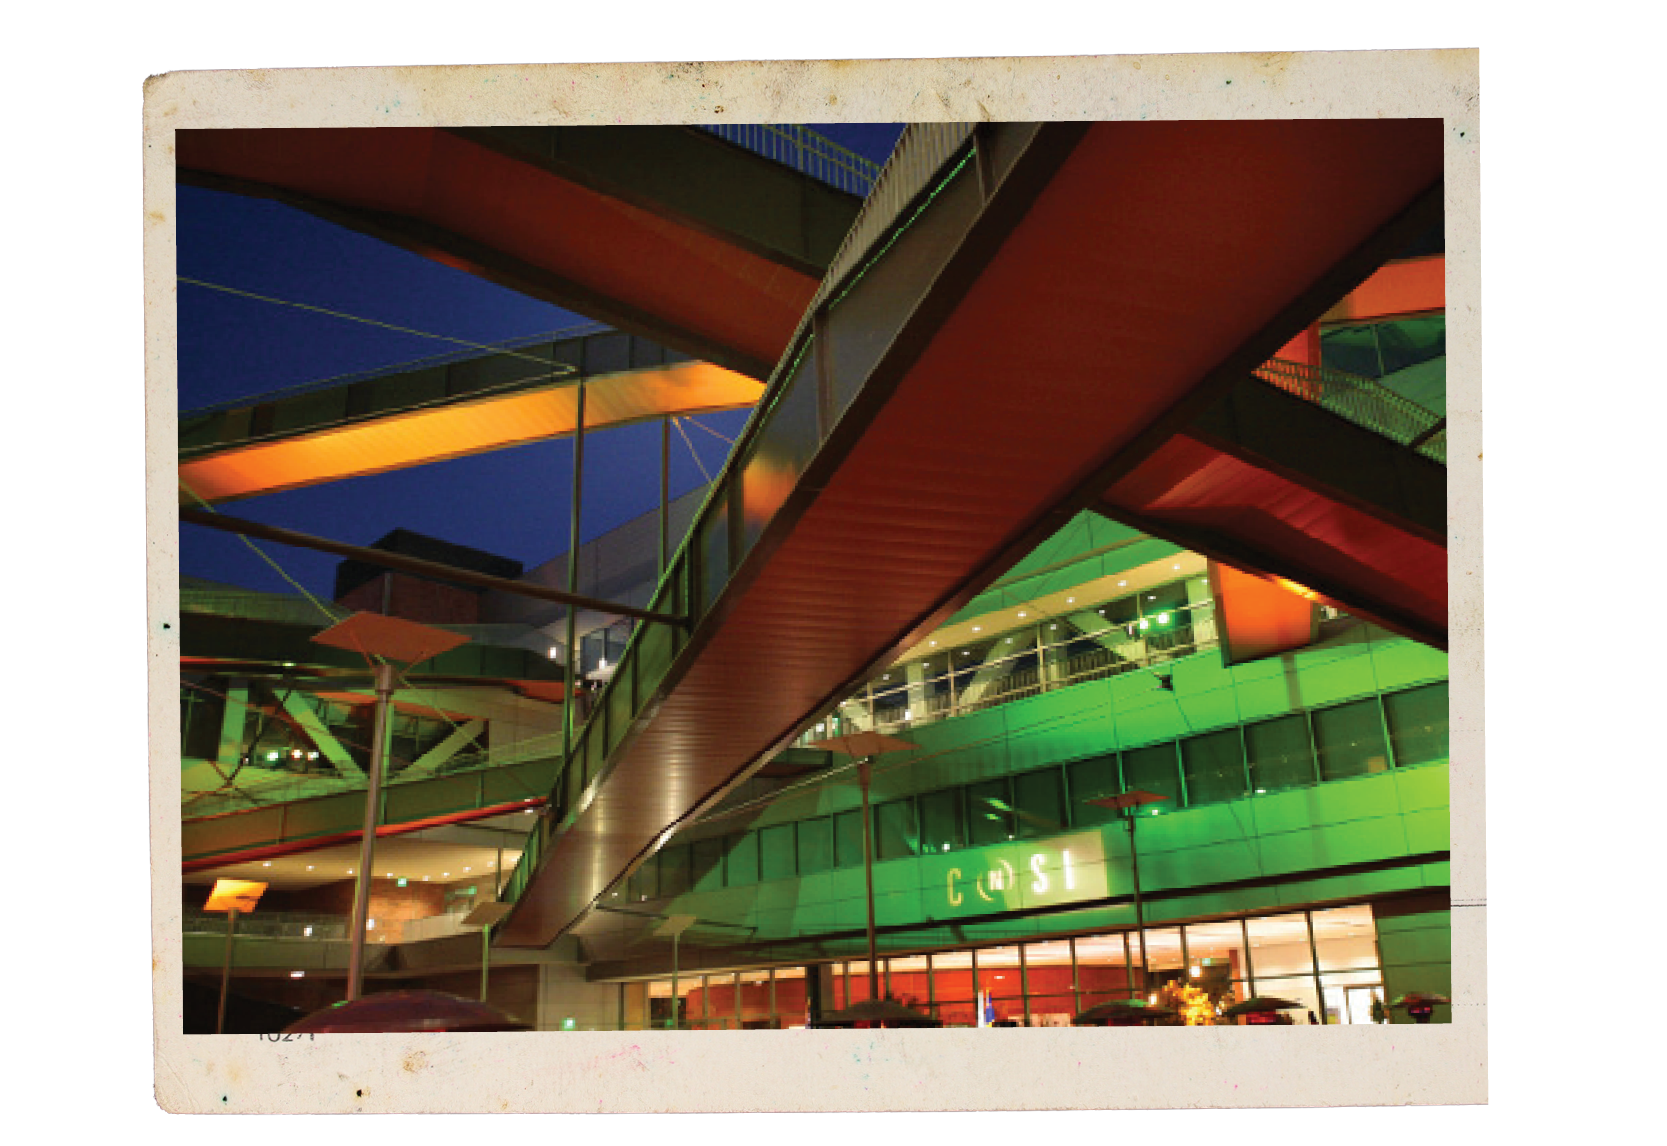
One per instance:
(1053, 874)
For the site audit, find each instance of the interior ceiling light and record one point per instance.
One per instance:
(1021, 615)
(1120, 584)
(977, 629)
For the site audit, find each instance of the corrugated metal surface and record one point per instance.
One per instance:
(1149, 258)
(1358, 560)
(709, 287)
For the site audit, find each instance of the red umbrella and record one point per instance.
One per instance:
(878, 1013)
(392, 1011)
(1122, 1012)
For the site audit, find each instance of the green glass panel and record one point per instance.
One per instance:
(1152, 769)
(816, 847)
(714, 551)
(707, 864)
(777, 852)
(742, 866)
(1418, 724)
(674, 870)
(1349, 740)
(895, 833)
(848, 839)
(782, 449)
(1088, 780)
(988, 818)
(1040, 800)
(619, 700)
(1214, 766)
(942, 827)
(1281, 753)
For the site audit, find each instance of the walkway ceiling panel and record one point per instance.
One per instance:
(471, 206)
(459, 429)
(1246, 516)
(1155, 254)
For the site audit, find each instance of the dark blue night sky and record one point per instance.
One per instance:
(511, 502)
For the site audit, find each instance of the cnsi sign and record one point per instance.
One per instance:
(1009, 877)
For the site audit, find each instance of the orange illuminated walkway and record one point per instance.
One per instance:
(665, 231)
(1055, 307)
(434, 413)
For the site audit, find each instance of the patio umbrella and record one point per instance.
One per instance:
(406, 1011)
(1122, 1012)
(878, 1013)
(1259, 1006)
(1420, 1005)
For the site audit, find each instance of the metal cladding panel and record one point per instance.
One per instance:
(708, 286)
(1153, 254)
(458, 429)
(1356, 560)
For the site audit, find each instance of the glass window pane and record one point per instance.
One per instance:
(1040, 801)
(1349, 739)
(895, 835)
(815, 845)
(1048, 983)
(1216, 962)
(714, 552)
(1214, 766)
(743, 859)
(1152, 769)
(1298, 989)
(941, 826)
(908, 981)
(998, 973)
(1278, 947)
(848, 838)
(792, 998)
(1349, 997)
(1346, 939)
(644, 883)
(674, 871)
(1090, 779)
(1102, 970)
(952, 988)
(989, 819)
(708, 860)
(1163, 954)
(777, 852)
(1418, 724)
(1281, 753)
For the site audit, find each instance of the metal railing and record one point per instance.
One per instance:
(468, 354)
(1362, 401)
(1036, 668)
(915, 162)
(268, 925)
(796, 146)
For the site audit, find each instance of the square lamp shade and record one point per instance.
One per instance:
(391, 637)
(239, 895)
(1133, 798)
(863, 744)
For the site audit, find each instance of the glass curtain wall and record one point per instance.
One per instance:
(1304, 959)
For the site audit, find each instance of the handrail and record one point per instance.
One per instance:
(1362, 401)
(796, 146)
(430, 362)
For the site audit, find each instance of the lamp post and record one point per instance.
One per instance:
(1127, 805)
(388, 639)
(863, 747)
(231, 896)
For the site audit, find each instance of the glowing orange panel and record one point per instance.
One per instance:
(239, 895)
(1415, 286)
(452, 431)
(1260, 618)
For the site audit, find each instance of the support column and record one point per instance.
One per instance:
(568, 723)
(367, 838)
